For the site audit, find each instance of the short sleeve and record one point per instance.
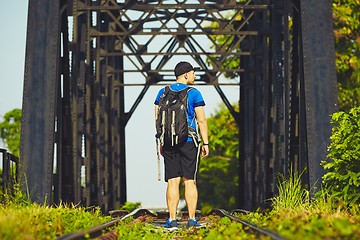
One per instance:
(157, 99)
(196, 98)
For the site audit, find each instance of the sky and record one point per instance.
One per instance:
(141, 159)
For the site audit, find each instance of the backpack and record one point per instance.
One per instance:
(172, 120)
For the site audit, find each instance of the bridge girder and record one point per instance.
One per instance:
(74, 96)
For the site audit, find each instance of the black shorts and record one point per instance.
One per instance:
(181, 161)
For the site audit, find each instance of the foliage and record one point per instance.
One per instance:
(295, 217)
(39, 222)
(10, 130)
(291, 193)
(346, 14)
(15, 197)
(343, 177)
(318, 219)
(130, 206)
(304, 224)
(22, 219)
(223, 133)
(218, 182)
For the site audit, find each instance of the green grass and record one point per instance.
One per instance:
(296, 216)
(33, 221)
(291, 194)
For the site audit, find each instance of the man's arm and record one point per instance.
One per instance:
(156, 111)
(201, 119)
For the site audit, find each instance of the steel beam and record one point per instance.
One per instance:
(40, 99)
(320, 87)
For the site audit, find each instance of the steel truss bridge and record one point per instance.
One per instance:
(81, 54)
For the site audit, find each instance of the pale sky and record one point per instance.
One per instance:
(141, 157)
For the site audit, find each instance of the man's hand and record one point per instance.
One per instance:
(205, 151)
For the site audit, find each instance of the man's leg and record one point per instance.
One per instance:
(172, 196)
(191, 196)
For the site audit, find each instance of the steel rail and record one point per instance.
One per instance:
(98, 231)
(223, 213)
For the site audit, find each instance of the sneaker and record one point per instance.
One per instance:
(192, 223)
(171, 224)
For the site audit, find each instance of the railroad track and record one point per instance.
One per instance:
(104, 230)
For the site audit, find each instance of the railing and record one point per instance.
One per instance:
(9, 171)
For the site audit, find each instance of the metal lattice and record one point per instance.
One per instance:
(82, 72)
(145, 37)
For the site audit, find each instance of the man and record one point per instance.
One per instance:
(181, 162)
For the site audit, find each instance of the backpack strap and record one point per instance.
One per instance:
(197, 163)
(184, 93)
(158, 158)
(167, 89)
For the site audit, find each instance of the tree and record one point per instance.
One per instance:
(346, 14)
(342, 180)
(10, 130)
(218, 182)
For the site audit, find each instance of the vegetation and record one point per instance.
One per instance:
(130, 206)
(10, 131)
(292, 217)
(219, 172)
(21, 219)
(343, 164)
(291, 194)
(346, 15)
(33, 221)
(299, 218)
(220, 228)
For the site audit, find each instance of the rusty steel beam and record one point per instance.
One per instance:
(255, 118)
(320, 91)
(161, 7)
(286, 105)
(40, 99)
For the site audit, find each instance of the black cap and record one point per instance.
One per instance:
(184, 67)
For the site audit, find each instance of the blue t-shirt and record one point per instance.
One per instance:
(195, 99)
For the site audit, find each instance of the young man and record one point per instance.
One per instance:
(181, 161)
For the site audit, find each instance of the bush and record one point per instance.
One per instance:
(342, 180)
(130, 206)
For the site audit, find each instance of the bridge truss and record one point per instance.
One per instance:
(74, 114)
